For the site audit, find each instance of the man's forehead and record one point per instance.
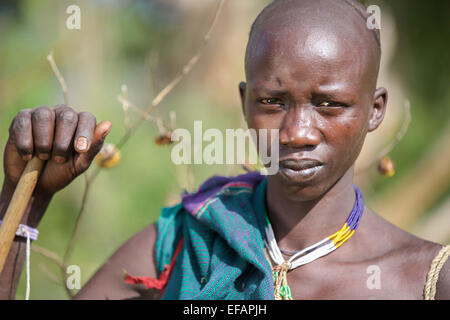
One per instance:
(318, 41)
(315, 50)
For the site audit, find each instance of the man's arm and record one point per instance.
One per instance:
(68, 141)
(136, 256)
(10, 275)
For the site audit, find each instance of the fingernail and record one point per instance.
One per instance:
(44, 156)
(27, 157)
(82, 143)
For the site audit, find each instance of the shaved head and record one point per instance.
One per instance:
(326, 28)
(311, 73)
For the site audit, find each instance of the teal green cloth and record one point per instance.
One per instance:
(223, 253)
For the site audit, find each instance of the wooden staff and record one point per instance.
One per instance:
(17, 206)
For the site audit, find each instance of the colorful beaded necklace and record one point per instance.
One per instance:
(282, 290)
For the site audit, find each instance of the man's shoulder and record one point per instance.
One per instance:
(404, 245)
(398, 240)
(407, 257)
(433, 257)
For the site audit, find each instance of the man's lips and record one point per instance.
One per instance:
(299, 164)
(299, 170)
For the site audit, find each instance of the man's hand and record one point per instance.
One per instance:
(66, 139)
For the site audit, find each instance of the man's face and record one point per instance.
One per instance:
(318, 90)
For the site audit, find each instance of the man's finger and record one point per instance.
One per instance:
(43, 122)
(85, 132)
(101, 131)
(66, 124)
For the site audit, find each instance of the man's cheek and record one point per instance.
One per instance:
(351, 142)
(349, 130)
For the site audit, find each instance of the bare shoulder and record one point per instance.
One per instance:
(137, 257)
(407, 257)
(428, 258)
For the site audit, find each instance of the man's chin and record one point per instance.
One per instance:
(297, 190)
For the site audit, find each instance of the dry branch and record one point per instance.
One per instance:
(60, 78)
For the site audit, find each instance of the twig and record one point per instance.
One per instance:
(56, 259)
(50, 274)
(48, 254)
(126, 105)
(76, 229)
(58, 75)
(172, 84)
(123, 99)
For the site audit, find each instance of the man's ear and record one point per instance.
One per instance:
(242, 88)
(378, 108)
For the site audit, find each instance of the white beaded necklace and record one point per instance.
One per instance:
(311, 253)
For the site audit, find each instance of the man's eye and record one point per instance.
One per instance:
(332, 104)
(270, 101)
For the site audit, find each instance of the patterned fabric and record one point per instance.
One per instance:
(223, 253)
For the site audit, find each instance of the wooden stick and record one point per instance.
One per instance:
(17, 206)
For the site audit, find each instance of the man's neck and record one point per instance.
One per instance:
(298, 224)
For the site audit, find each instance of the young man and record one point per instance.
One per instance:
(311, 72)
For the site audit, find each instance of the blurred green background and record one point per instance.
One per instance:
(145, 44)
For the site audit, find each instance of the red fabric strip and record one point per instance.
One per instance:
(160, 283)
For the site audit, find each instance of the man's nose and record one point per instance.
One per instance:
(299, 130)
